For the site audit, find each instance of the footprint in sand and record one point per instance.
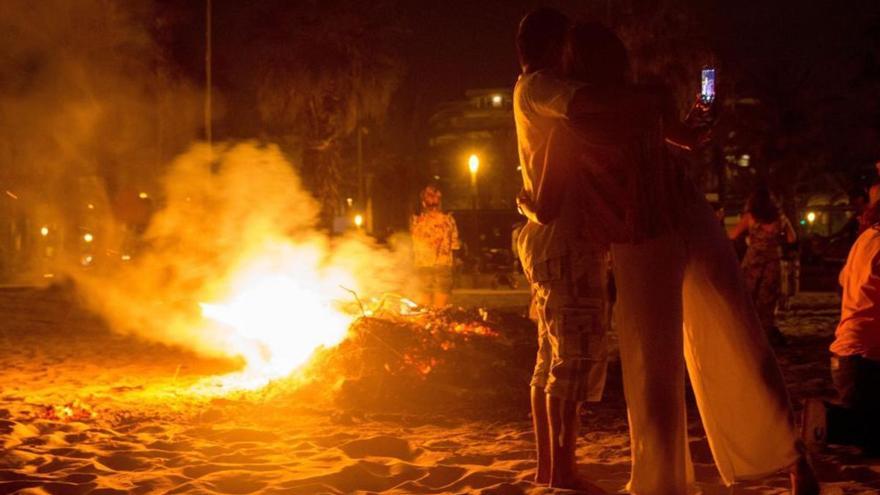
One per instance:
(244, 435)
(56, 465)
(123, 461)
(79, 478)
(440, 476)
(478, 460)
(108, 491)
(380, 446)
(71, 452)
(6, 426)
(234, 482)
(206, 470)
(365, 476)
(443, 444)
(170, 446)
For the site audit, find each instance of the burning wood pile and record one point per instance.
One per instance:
(237, 267)
(405, 358)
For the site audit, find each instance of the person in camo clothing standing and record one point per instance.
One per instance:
(435, 237)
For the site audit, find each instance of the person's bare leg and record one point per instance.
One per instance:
(563, 436)
(803, 479)
(541, 426)
(564, 428)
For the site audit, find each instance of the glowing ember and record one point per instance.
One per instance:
(72, 411)
(278, 316)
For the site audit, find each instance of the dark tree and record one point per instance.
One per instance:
(325, 69)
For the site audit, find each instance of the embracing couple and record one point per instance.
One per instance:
(600, 187)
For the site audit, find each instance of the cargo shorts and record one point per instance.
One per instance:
(570, 303)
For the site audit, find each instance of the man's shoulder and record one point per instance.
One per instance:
(528, 80)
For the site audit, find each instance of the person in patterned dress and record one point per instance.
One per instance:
(435, 238)
(767, 228)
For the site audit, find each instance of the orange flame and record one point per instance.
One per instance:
(279, 311)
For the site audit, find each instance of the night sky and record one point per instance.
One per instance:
(447, 47)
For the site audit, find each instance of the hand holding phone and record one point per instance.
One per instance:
(707, 86)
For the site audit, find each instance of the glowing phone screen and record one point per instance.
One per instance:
(707, 91)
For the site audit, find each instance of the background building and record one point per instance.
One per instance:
(482, 197)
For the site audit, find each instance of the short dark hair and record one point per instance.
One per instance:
(541, 33)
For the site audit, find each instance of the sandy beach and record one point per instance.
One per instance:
(84, 410)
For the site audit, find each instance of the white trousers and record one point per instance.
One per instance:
(682, 304)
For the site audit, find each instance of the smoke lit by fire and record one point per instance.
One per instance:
(233, 265)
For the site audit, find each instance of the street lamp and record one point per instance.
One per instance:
(474, 167)
(811, 217)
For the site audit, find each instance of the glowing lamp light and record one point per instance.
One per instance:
(90, 206)
(496, 100)
(811, 216)
(143, 195)
(473, 164)
(44, 231)
(358, 220)
(88, 237)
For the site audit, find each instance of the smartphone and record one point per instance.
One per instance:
(707, 85)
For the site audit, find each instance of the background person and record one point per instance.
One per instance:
(854, 419)
(435, 239)
(767, 228)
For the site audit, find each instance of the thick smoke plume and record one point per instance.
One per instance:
(89, 115)
(230, 210)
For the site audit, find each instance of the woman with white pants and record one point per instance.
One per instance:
(682, 305)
